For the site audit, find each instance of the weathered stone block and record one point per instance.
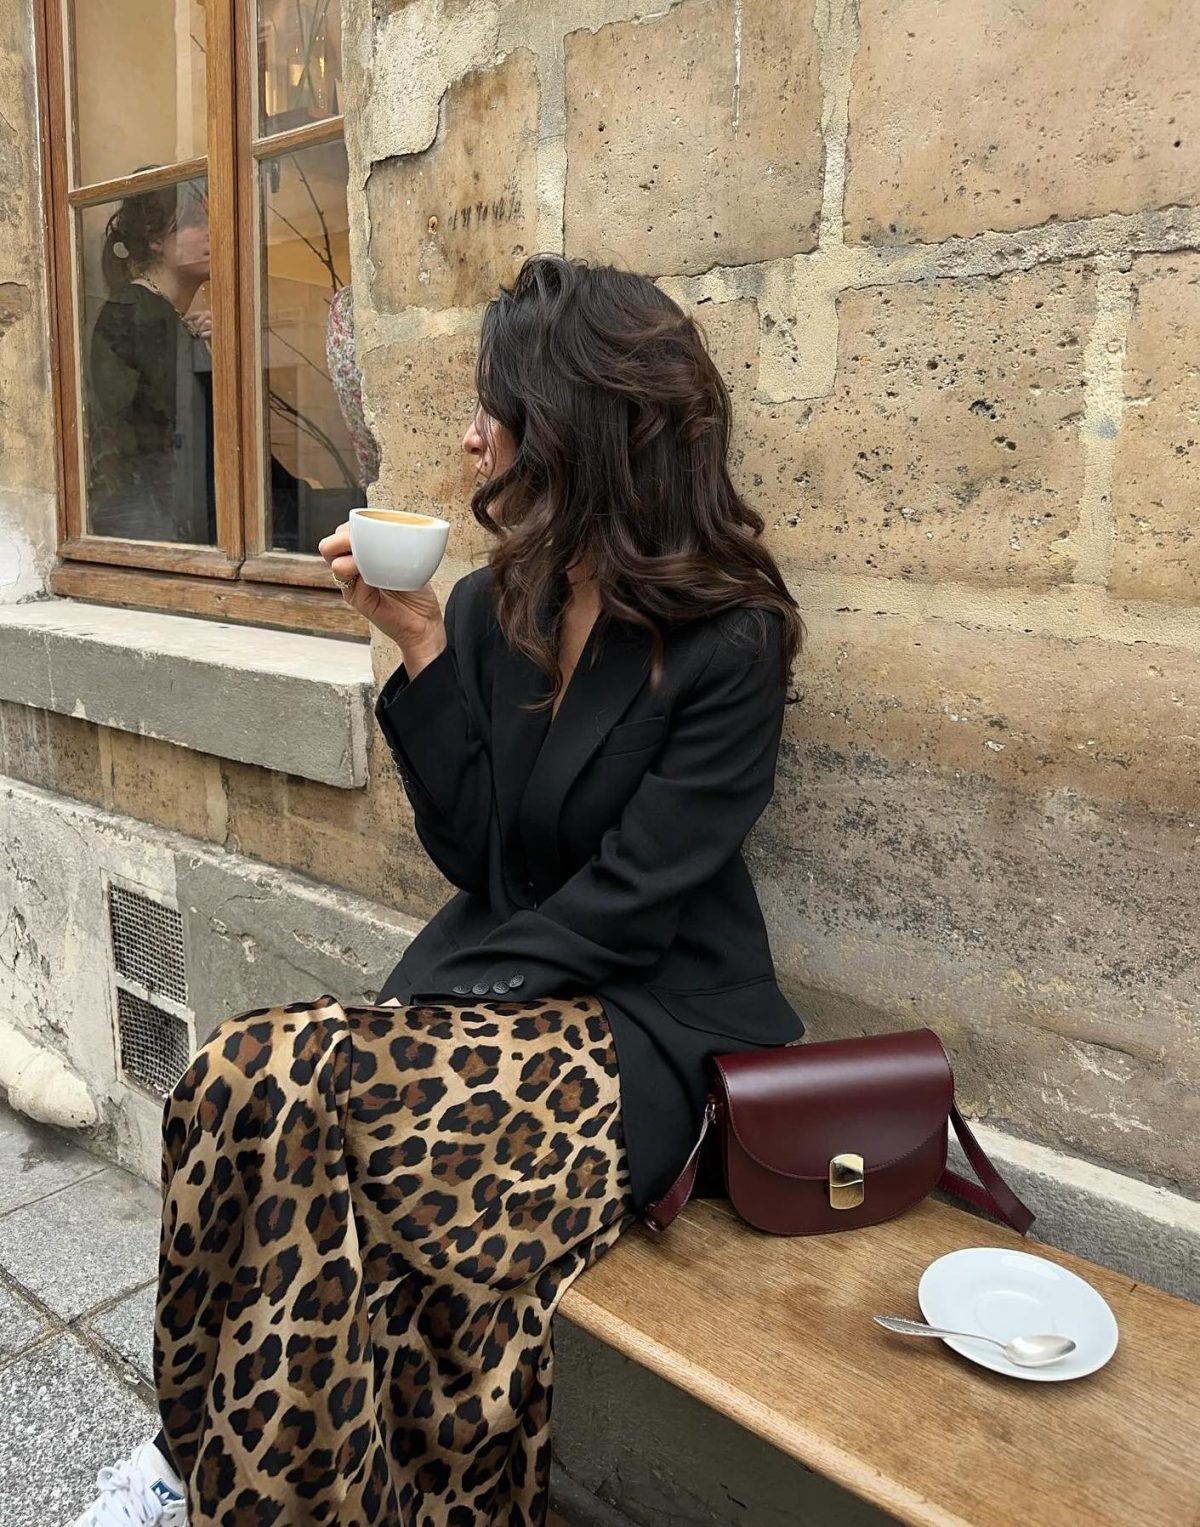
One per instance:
(424, 396)
(255, 935)
(23, 734)
(450, 224)
(994, 833)
(949, 448)
(358, 840)
(694, 138)
(74, 757)
(407, 879)
(247, 787)
(345, 809)
(53, 751)
(1048, 939)
(1157, 470)
(332, 855)
(994, 116)
(170, 786)
(1102, 720)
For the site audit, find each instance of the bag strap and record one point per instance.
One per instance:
(991, 1193)
(657, 1216)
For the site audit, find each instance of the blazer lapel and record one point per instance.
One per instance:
(612, 669)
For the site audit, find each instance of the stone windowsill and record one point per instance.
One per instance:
(298, 704)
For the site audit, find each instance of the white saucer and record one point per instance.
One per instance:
(1012, 1293)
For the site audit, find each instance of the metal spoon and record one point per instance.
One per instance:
(1025, 1351)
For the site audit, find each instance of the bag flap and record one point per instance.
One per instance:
(880, 1097)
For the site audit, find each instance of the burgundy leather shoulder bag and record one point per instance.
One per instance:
(834, 1136)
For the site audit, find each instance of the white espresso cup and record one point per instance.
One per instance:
(396, 549)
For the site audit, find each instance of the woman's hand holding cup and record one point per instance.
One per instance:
(412, 618)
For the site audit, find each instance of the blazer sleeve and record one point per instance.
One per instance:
(616, 917)
(443, 760)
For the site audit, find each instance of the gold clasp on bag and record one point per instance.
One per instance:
(846, 1190)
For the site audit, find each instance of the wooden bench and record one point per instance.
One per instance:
(777, 1334)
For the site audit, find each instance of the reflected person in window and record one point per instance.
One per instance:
(149, 417)
(150, 404)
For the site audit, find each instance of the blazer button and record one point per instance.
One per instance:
(480, 988)
(516, 979)
(500, 987)
(461, 991)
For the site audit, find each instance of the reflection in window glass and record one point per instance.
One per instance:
(299, 62)
(313, 477)
(147, 366)
(139, 84)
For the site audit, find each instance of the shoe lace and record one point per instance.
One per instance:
(127, 1499)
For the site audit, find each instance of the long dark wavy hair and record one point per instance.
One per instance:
(142, 222)
(621, 423)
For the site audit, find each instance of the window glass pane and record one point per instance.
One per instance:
(139, 70)
(299, 63)
(313, 473)
(146, 367)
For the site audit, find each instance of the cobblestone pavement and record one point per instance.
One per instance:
(78, 1250)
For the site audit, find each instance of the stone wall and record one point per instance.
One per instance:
(248, 933)
(355, 840)
(946, 259)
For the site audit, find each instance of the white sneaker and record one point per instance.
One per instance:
(141, 1491)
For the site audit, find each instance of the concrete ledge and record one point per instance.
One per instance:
(298, 704)
(1118, 1221)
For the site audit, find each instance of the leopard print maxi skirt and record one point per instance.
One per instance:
(370, 1215)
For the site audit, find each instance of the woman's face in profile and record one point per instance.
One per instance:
(186, 249)
(491, 448)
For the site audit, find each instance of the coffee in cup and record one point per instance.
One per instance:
(396, 548)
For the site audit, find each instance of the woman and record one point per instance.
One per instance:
(371, 1213)
(150, 403)
(149, 418)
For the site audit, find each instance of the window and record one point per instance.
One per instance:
(196, 199)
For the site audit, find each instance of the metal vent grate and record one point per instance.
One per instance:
(155, 1045)
(148, 942)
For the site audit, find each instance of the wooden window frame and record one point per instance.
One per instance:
(241, 578)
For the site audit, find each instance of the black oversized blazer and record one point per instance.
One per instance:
(600, 852)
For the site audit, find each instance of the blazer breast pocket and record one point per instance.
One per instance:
(752, 1012)
(632, 737)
